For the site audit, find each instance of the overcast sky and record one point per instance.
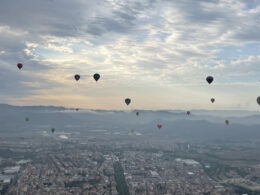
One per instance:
(156, 52)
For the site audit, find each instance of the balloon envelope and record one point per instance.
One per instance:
(227, 122)
(77, 77)
(77, 109)
(52, 130)
(19, 65)
(188, 112)
(258, 100)
(210, 79)
(137, 113)
(159, 126)
(127, 101)
(27, 119)
(96, 76)
(212, 100)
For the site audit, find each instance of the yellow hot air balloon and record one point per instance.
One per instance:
(227, 122)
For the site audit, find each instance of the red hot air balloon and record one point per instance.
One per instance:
(20, 65)
(159, 126)
(77, 77)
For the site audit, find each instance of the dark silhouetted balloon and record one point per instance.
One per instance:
(227, 122)
(77, 77)
(212, 100)
(20, 65)
(210, 79)
(27, 119)
(52, 130)
(159, 126)
(127, 101)
(96, 76)
(188, 112)
(137, 113)
(77, 109)
(258, 100)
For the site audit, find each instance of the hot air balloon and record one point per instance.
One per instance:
(96, 77)
(210, 79)
(20, 65)
(159, 126)
(188, 112)
(27, 119)
(258, 100)
(52, 130)
(127, 101)
(227, 122)
(77, 109)
(212, 100)
(137, 113)
(77, 77)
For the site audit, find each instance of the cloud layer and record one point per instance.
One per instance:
(156, 51)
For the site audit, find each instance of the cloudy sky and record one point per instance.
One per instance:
(157, 52)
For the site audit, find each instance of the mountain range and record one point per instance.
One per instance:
(201, 124)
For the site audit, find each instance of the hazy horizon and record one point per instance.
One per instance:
(133, 109)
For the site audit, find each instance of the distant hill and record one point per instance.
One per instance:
(50, 108)
(176, 123)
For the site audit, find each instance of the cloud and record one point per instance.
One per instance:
(152, 43)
